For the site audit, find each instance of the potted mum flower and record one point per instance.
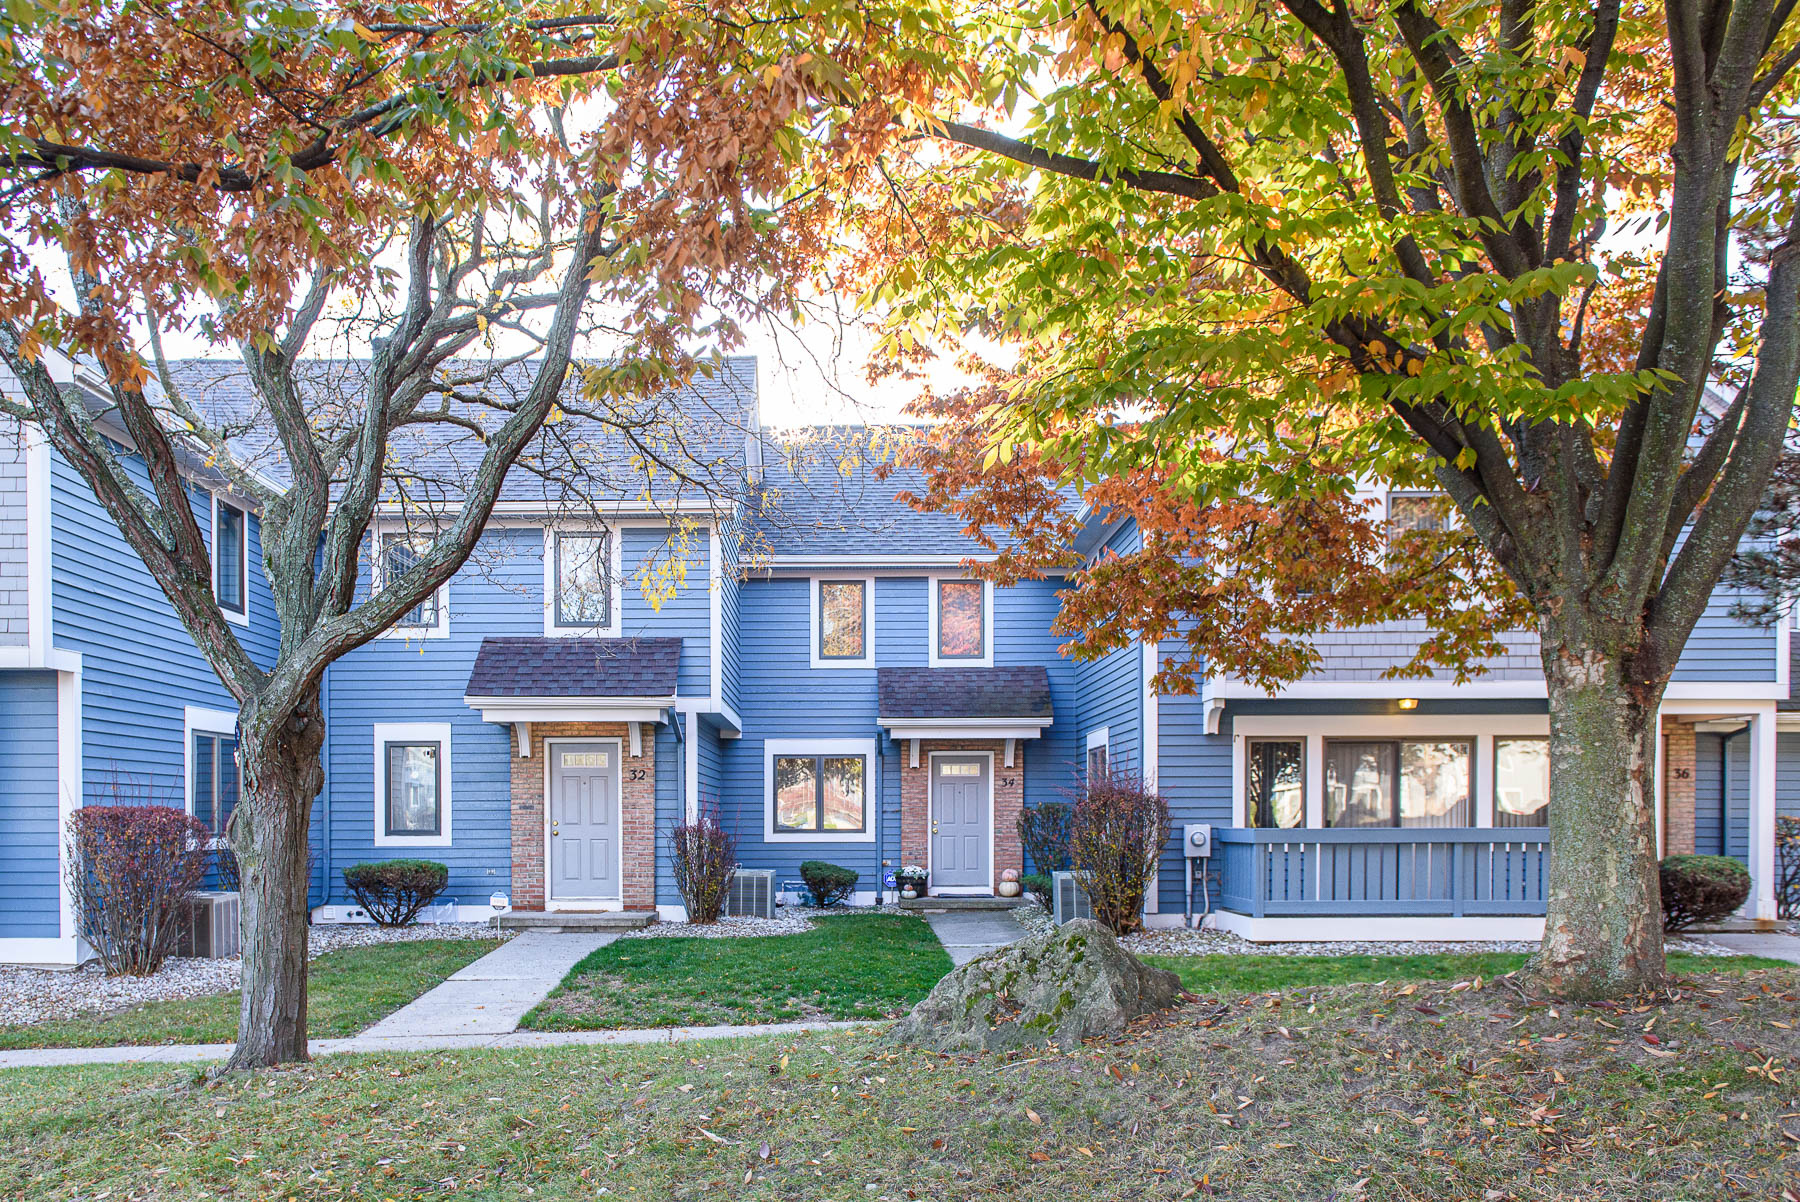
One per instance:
(911, 880)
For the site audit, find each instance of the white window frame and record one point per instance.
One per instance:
(1101, 738)
(986, 659)
(772, 748)
(615, 601)
(233, 616)
(384, 733)
(378, 568)
(1311, 731)
(815, 626)
(199, 720)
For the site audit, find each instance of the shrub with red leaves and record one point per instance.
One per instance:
(1119, 830)
(131, 868)
(703, 855)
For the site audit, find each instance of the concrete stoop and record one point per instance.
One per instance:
(961, 905)
(574, 922)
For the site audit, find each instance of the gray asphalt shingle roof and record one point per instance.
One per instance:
(544, 667)
(1010, 692)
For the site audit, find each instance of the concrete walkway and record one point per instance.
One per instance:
(200, 1053)
(1772, 945)
(491, 996)
(968, 934)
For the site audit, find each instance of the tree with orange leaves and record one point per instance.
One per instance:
(1226, 260)
(467, 186)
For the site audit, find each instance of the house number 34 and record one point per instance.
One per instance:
(1008, 782)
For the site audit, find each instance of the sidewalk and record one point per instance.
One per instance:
(203, 1052)
(1772, 945)
(971, 933)
(492, 995)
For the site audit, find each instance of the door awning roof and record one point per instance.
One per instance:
(936, 703)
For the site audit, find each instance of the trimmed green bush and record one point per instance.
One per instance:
(1701, 889)
(1041, 886)
(392, 892)
(829, 884)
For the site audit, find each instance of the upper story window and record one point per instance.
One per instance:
(843, 623)
(961, 622)
(1421, 783)
(583, 583)
(231, 558)
(1098, 748)
(1424, 511)
(400, 552)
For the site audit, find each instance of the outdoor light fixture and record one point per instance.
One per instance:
(1409, 703)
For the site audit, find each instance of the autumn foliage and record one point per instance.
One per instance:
(130, 871)
(1120, 827)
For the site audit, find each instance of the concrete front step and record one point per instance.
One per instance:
(570, 922)
(961, 904)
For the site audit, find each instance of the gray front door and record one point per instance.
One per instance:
(960, 825)
(584, 821)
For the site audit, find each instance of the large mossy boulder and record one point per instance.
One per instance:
(1061, 987)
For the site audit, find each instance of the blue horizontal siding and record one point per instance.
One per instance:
(29, 838)
(1721, 831)
(140, 668)
(1721, 648)
(655, 559)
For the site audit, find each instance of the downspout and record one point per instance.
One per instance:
(1725, 788)
(881, 865)
(325, 793)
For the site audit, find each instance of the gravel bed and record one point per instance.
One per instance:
(32, 995)
(785, 922)
(1034, 918)
(1185, 942)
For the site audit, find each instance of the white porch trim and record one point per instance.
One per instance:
(1364, 927)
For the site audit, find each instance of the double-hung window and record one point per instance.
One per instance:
(1426, 512)
(583, 579)
(215, 780)
(231, 558)
(1416, 783)
(820, 793)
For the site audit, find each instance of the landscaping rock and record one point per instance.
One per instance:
(1060, 987)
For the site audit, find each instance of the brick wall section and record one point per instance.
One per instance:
(915, 801)
(637, 812)
(1678, 788)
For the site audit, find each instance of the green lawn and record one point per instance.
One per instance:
(349, 990)
(848, 967)
(1358, 1093)
(1213, 974)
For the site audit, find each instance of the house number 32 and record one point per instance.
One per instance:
(637, 774)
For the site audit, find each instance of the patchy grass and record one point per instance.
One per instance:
(850, 967)
(1203, 974)
(1360, 1092)
(348, 990)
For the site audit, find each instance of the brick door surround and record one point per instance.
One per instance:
(1008, 799)
(637, 813)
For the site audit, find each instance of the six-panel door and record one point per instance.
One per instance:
(959, 822)
(584, 821)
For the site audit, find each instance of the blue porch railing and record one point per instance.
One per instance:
(1452, 871)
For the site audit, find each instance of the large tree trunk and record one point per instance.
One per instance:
(1603, 930)
(282, 775)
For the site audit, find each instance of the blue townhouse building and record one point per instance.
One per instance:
(836, 683)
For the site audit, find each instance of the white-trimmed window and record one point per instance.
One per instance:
(581, 581)
(231, 559)
(1422, 511)
(1099, 751)
(397, 552)
(1521, 782)
(1275, 783)
(962, 622)
(213, 780)
(843, 621)
(819, 790)
(412, 784)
